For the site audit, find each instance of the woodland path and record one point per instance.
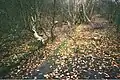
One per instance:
(85, 54)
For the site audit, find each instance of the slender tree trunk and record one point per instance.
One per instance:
(69, 9)
(91, 11)
(53, 24)
(84, 12)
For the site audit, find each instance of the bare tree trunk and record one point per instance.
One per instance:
(69, 9)
(91, 11)
(53, 24)
(84, 11)
(75, 11)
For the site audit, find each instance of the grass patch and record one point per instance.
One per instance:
(57, 52)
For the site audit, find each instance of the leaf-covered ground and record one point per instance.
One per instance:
(84, 54)
(93, 54)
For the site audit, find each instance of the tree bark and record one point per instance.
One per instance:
(53, 24)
